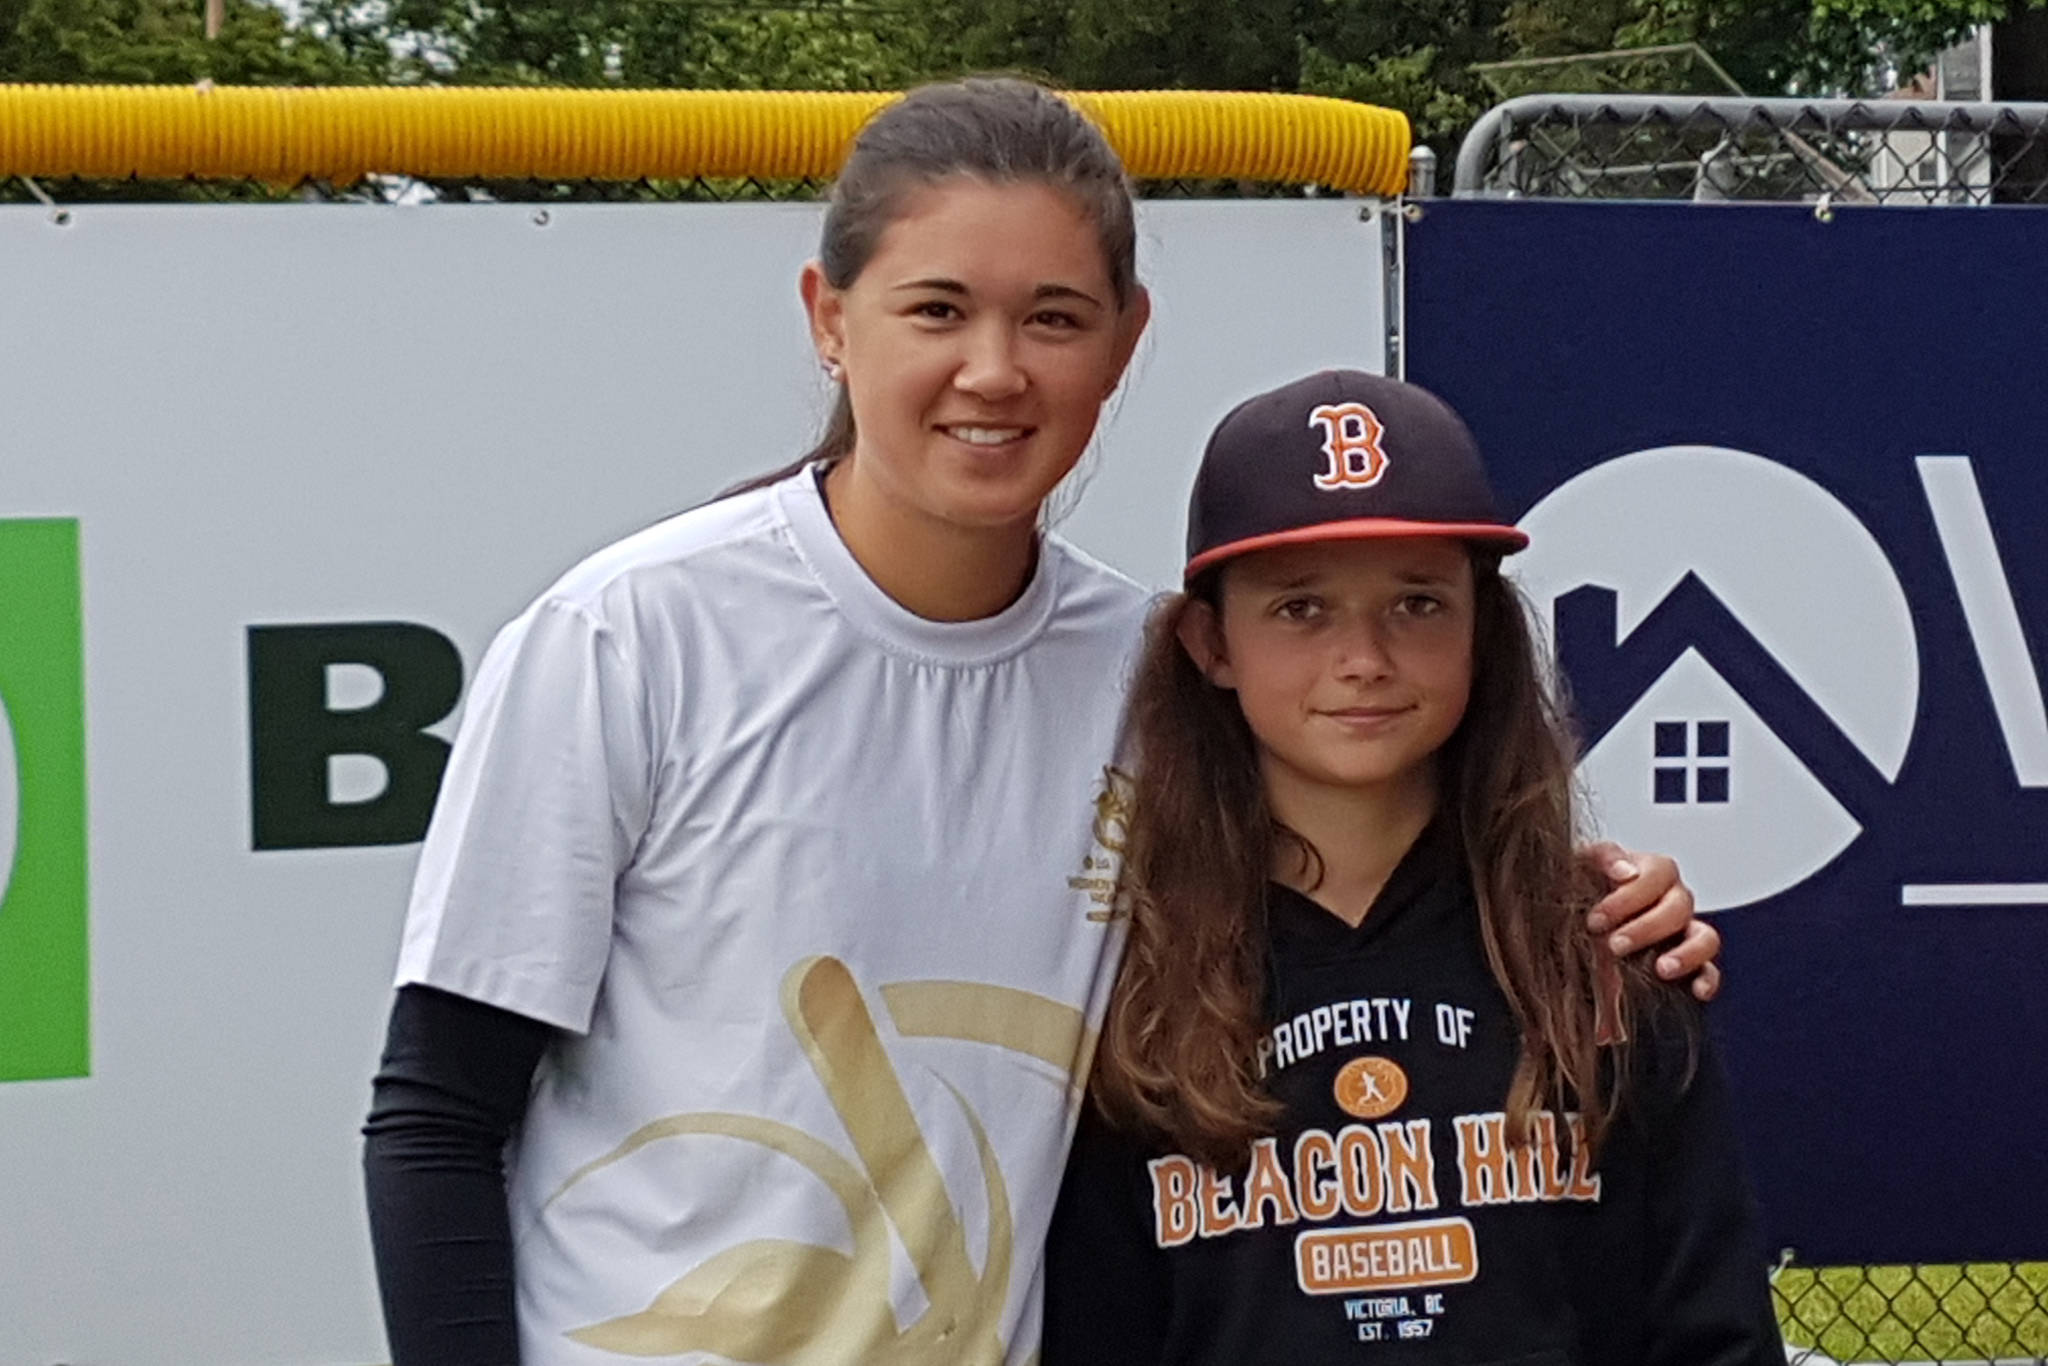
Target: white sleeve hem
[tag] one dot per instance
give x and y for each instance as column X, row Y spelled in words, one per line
column 491, row 984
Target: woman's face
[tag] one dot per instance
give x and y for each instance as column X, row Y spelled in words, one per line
column 977, row 346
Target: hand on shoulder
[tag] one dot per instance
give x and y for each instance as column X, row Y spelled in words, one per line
column 1649, row 906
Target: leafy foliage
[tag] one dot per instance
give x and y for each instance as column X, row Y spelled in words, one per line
column 1418, row 56
column 640, row 44
column 131, row 41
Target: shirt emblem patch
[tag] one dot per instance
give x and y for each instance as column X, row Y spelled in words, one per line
column 1371, row 1087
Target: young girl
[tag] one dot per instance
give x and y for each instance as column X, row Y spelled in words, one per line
column 760, row 905
column 1366, row 1092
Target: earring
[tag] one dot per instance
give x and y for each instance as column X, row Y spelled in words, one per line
column 833, row 371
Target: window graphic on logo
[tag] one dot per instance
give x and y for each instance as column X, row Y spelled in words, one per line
column 43, row 1003
column 1676, row 782
column 1741, row 658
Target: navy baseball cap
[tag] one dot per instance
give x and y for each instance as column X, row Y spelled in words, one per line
column 1341, row 455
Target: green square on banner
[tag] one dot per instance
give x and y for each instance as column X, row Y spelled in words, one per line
column 45, row 1008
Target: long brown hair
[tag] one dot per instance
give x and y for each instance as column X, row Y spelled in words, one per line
column 996, row 129
column 1177, row 1059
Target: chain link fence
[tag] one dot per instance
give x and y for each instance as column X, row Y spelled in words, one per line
column 1894, row 151
column 1995, row 1312
column 1824, row 152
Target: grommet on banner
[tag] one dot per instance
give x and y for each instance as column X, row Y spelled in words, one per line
column 1824, row 207
column 61, row 217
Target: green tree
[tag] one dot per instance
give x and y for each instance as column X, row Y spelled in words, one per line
column 1413, row 56
column 1770, row 47
column 1127, row 44
column 639, row 44
column 127, row 42
column 1418, row 56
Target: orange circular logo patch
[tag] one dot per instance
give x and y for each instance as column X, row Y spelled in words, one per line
column 1371, row 1087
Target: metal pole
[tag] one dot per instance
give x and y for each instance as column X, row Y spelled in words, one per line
column 1421, row 172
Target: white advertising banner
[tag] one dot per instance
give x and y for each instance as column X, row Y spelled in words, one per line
column 270, row 478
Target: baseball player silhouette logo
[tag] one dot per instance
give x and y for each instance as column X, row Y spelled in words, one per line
column 1352, row 434
column 1371, row 1087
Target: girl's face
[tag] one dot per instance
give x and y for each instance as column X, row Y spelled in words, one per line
column 978, row 346
column 1352, row 660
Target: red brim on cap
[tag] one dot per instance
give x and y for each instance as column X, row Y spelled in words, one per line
column 1507, row 538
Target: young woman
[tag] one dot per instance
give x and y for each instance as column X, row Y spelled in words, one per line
column 763, row 906
column 1366, row 1091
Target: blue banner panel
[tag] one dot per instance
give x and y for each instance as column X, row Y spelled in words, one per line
column 1786, row 481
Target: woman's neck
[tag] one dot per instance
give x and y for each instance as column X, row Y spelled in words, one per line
column 1360, row 834
column 938, row 570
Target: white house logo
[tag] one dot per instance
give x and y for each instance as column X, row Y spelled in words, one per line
column 10, row 802
column 1741, row 656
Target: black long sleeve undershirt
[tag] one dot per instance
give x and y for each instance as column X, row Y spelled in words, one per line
column 451, row 1090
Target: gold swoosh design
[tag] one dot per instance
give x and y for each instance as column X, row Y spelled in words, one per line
column 836, row 1172
column 775, row 1302
column 1001, row 1017
column 769, row 1300
column 831, row 1020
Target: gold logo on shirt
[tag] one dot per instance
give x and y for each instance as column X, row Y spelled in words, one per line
column 1099, row 870
column 778, row 1302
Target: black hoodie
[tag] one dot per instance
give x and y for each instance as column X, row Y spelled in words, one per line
column 1387, row 1222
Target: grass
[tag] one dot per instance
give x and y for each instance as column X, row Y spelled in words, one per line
column 1979, row 1311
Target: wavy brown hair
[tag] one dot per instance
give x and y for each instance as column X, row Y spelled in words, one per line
column 1177, row 1058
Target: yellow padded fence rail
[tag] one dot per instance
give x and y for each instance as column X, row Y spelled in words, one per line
column 284, row 135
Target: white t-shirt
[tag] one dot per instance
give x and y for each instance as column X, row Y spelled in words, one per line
column 818, row 890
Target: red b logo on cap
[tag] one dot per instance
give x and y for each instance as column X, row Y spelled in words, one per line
column 1351, row 438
